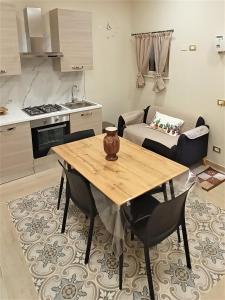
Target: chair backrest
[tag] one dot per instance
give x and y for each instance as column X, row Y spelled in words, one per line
column 80, row 192
column 165, row 219
column 79, row 135
column 139, row 208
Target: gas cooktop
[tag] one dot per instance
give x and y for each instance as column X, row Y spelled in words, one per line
column 42, row 109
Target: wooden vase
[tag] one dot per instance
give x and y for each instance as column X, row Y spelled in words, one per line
column 111, row 143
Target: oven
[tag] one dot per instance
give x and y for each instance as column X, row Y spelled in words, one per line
column 48, row 132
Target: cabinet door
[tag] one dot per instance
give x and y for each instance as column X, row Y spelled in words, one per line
column 71, row 33
column 16, row 155
column 9, row 51
column 89, row 119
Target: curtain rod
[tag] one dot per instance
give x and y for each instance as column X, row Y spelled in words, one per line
column 170, row 30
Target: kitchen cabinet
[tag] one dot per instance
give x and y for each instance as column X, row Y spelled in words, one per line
column 88, row 119
column 9, row 49
column 16, row 155
column 71, row 34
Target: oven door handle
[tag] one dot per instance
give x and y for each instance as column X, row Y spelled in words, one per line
column 51, row 128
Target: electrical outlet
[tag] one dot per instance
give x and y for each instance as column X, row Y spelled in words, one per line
column 220, row 102
column 192, row 47
column 216, row 149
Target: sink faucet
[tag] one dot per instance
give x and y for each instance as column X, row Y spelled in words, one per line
column 74, row 99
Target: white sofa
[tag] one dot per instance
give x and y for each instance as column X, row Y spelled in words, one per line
column 187, row 148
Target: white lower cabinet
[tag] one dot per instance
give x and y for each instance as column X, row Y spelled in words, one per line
column 88, row 119
column 16, row 155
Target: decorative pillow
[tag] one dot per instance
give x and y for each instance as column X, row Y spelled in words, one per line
column 166, row 124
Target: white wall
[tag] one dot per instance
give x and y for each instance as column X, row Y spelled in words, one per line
column 107, row 83
column 197, row 79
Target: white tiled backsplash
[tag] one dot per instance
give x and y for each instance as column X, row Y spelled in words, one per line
column 38, row 84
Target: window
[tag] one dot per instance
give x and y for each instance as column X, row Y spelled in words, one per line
column 152, row 68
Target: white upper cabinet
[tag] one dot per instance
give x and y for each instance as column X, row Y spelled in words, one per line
column 9, row 49
column 71, row 34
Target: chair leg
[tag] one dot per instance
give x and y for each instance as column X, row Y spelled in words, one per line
column 90, row 233
column 121, row 267
column 164, row 192
column 60, row 191
column 178, row 235
column 172, row 197
column 66, row 208
column 186, row 247
column 131, row 235
column 149, row 273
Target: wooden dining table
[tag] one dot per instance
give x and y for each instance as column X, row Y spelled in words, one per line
column 136, row 171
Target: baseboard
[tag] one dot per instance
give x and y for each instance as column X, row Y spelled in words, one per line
column 214, row 165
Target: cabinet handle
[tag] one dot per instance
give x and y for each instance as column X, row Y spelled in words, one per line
column 86, row 114
column 77, row 68
column 8, row 129
column 3, row 71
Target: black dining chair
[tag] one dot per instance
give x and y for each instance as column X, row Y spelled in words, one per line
column 162, row 189
column 161, row 221
column 69, row 138
column 143, row 209
column 79, row 191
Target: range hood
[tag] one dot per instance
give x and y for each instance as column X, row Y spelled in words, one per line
column 34, row 34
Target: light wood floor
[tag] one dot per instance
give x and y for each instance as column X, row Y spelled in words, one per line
column 15, row 278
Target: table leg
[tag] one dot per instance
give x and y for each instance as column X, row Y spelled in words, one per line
column 172, row 197
column 61, row 187
column 66, row 208
column 164, row 192
column 171, row 189
column 121, row 266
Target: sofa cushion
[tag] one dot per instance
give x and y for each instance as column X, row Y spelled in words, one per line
column 189, row 121
column 139, row 132
column 166, row 124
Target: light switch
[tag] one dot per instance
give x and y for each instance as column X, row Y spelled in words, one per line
column 192, row 47
column 221, row 102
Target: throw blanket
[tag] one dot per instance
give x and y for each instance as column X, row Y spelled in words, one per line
column 196, row 132
column 127, row 134
column 133, row 117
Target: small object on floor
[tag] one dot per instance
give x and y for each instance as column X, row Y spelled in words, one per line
column 210, row 178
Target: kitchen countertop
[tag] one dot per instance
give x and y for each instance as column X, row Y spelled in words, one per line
column 16, row 115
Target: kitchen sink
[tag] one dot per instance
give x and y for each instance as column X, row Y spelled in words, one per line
column 78, row 104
